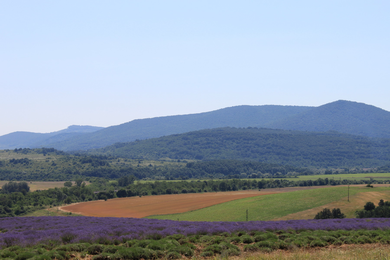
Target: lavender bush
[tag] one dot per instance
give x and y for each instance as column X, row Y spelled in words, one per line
column 27, row 231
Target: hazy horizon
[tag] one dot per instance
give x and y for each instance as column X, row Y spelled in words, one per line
column 104, row 63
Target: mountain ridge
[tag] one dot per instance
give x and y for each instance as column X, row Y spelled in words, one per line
column 341, row 116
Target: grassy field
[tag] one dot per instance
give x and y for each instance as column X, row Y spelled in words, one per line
column 351, row 176
column 43, row 185
column 348, row 176
column 49, row 212
column 283, row 205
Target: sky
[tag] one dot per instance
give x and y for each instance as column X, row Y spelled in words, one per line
column 104, row 63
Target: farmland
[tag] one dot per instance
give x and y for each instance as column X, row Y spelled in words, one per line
column 354, row 176
column 280, row 203
column 139, row 207
column 289, row 205
column 41, row 185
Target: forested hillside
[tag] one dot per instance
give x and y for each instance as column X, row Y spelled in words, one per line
column 341, row 116
column 301, row 149
column 51, row 165
column 240, row 116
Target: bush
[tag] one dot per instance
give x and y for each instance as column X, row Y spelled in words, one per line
column 207, row 253
column 318, row 242
column 95, row 249
column 251, row 248
column 173, row 255
column 247, row 239
column 214, row 248
column 183, row 250
column 327, row 214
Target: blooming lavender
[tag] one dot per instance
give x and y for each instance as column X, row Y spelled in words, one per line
column 34, row 230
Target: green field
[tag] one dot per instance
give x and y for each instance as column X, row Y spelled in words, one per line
column 350, row 176
column 347, row 176
column 270, row 207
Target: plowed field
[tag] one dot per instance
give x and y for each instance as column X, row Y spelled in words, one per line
column 138, row 207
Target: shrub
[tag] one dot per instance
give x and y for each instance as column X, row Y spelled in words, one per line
column 318, row 242
column 142, row 243
column 235, row 240
column 264, row 244
column 110, row 249
column 230, row 252
column 260, row 238
column 217, row 240
column 7, row 254
column 176, row 236
column 183, row 250
column 214, row 248
column 251, row 248
column 241, row 233
column 104, row 256
column 247, row 239
column 173, row 255
column 207, row 253
column 95, row 249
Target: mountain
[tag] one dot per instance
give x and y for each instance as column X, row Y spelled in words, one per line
column 29, row 139
column 239, row 116
column 340, row 116
column 296, row 148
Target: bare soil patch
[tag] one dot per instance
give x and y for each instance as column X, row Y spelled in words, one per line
column 139, row 207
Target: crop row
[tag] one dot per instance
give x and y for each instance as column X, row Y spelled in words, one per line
column 28, row 231
column 179, row 246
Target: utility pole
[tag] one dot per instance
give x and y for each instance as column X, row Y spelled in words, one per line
column 348, row 192
column 246, row 215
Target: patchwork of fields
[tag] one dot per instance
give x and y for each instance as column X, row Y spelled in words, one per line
column 139, row 207
column 267, row 204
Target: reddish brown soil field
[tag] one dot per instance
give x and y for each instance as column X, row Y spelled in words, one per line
column 137, row 207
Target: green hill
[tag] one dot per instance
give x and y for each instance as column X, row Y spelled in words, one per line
column 239, row 116
column 341, row 116
column 296, row 148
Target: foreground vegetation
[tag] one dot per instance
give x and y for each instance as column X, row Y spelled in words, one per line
column 148, row 239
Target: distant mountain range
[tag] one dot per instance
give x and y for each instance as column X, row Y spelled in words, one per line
column 34, row 140
column 340, row 116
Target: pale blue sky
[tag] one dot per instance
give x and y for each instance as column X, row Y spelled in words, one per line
column 104, row 63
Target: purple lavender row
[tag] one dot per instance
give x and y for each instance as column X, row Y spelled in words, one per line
column 34, row 230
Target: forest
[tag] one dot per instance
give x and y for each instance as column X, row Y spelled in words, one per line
column 295, row 148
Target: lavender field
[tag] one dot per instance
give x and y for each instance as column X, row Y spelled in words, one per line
column 29, row 231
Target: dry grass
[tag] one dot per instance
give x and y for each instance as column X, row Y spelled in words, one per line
column 356, row 201
column 349, row 252
column 43, row 185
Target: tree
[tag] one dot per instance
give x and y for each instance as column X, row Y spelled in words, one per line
column 337, row 213
column 121, row 193
column 15, row 187
column 68, row 184
column 324, row 214
column 79, row 182
column 369, row 206
column 327, row 214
